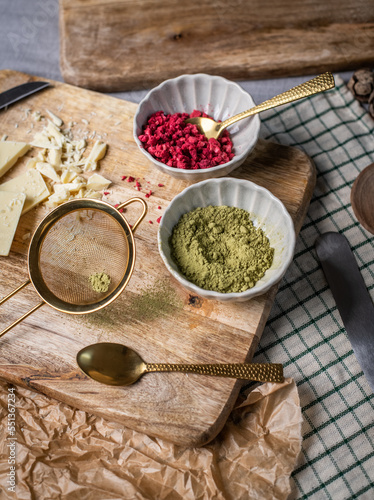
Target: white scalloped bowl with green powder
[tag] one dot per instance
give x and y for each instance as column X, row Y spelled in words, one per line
column 265, row 211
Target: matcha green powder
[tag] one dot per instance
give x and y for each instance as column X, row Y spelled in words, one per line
column 99, row 282
column 218, row 248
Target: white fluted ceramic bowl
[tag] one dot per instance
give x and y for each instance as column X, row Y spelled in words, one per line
column 216, row 96
column 266, row 211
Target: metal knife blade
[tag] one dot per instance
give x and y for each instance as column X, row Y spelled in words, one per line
column 351, row 296
column 16, row 93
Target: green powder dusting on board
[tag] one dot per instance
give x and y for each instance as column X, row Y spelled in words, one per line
column 158, row 298
column 155, row 300
column 219, row 248
column 99, row 282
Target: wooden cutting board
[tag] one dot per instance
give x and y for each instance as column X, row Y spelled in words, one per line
column 40, row 352
column 126, row 45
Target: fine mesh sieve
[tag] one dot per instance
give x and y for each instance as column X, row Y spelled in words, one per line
column 77, row 240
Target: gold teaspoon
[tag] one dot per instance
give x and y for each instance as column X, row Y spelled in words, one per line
column 116, row 364
column 211, row 128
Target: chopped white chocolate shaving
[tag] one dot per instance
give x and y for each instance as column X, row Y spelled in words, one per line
column 54, row 170
column 54, row 157
column 57, row 198
column 41, row 141
column 97, row 182
column 90, row 193
column 41, row 156
column 31, row 163
column 56, row 120
column 37, row 116
column 72, row 187
column 97, row 153
column 47, row 170
column 61, row 161
column 68, row 176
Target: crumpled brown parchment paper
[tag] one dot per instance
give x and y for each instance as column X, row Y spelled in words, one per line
column 64, row 453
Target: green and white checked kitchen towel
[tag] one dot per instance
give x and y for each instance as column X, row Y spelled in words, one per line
column 304, row 330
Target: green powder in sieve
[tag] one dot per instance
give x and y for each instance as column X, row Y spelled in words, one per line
column 99, row 282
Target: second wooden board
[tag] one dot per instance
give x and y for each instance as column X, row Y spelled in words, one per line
column 134, row 45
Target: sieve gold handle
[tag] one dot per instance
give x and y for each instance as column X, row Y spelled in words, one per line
column 4, row 299
column 143, row 214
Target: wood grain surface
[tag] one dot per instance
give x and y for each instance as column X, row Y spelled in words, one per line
column 40, row 352
column 126, row 45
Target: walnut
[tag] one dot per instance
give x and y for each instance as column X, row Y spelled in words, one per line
column 361, row 84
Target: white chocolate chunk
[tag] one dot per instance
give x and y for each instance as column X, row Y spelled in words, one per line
column 48, row 171
column 97, row 153
column 37, row 116
column 54, row 134
column 41, row 156
column 68, row 176
column 81, row 144
column 54, row 157
column 9, row 153
column 58, row 197
column 11, row 205
column 56, row 120
column 31, row 163
column 92, row 194
column 71, row 187
column 97, row 182
column 41, row 141
column 32, row 184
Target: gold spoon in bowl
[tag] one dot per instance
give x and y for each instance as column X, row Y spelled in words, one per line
column 211, row 128
column 116, row 364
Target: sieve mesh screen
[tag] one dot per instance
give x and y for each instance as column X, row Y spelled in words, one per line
column 81, row 243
